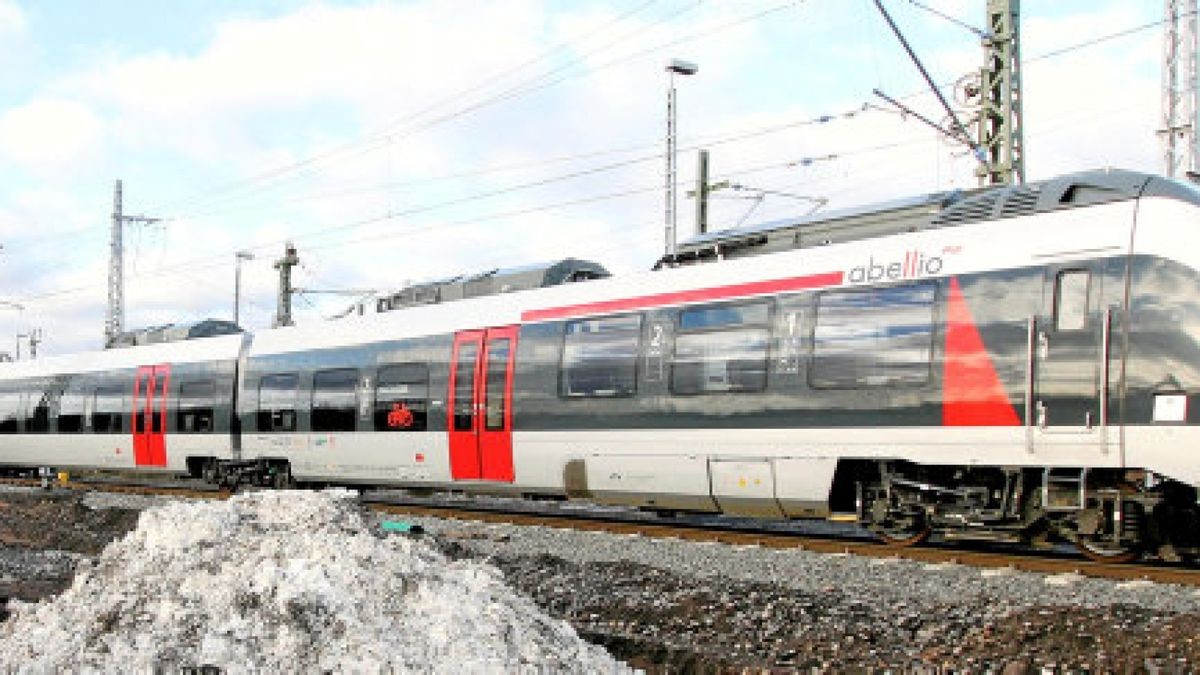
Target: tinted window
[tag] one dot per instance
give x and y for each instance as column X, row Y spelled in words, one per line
column 872, row 338
column 37, row 413
column 71, row 412
column 1071, row 300
column 402, row 398
column 721, row 349
column 334, row 400
column 108, row 411
column 11, row 412
column 723, row 316
column 277, row 403
column 197, row 401
column 600, row 357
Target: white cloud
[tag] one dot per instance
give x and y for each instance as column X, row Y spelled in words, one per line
column 13, row 21
column 49, row 135
column 265, row 93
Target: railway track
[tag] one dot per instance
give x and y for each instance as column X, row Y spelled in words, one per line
column 732, row 532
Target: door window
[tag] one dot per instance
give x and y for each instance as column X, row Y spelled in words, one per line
column 497, row 372
column 464, row 387
column 1071, row 299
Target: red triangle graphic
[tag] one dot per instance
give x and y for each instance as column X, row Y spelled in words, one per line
column 972, row 395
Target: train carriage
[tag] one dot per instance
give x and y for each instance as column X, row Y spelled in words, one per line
column 150, row 408
column 1010, row 364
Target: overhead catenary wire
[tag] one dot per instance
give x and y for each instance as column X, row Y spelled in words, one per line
column 1047, row 55
column 388, row 134
column 1053, row 53
column 219, row 260
column 958, row 22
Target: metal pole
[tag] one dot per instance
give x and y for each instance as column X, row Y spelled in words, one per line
column 237, row 290
column 669, row 228
column 682, row 68
column 702, row 194
column 114, row 324
column 237, row 284
column 1181, row 109
column 283, row 316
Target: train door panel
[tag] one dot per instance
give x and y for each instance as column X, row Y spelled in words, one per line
column 149, row 423
column 1068, row 354
column 479, row 404
column 495, row 434
column 463, row 423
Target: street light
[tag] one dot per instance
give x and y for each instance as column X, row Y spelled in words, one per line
column 237, row 283
column 674, row 67
column 5, row 356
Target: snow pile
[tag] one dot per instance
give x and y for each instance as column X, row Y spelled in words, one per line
column 286, row 582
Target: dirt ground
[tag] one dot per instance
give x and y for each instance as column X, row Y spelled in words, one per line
column 683, row 625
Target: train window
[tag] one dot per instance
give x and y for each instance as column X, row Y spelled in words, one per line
column 108, row 411
column 600, row 357
column 277, row 403
column 721, row 349
column 402, row 397
column 197, row 401
column 1071, row 299
column 335, row 400
column 464, row 387
column 11, row 412
column 71, row 413
column 876, row 337
column 37, row 415
column 494, row 385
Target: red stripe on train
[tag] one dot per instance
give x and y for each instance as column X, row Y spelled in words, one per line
column 681, row 297
column 972, row 394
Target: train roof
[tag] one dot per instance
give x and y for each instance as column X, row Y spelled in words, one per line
column 223, row 347
column 914, row 214
column 931, row 211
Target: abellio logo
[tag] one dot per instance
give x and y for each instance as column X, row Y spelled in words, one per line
column 915, row 265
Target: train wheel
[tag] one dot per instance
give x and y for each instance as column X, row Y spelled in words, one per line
column 898, row 519
column 1105, row 535
column 909, row 536
column 1106, row 551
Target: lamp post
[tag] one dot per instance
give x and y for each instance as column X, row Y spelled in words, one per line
column 20, row 308
column 674, row 67
column 237, row 283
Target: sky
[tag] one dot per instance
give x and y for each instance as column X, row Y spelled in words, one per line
column 395, row 142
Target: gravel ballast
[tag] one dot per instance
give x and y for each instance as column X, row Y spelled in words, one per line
column 674, row 605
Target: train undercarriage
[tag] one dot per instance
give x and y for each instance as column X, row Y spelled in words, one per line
column 1112, row 515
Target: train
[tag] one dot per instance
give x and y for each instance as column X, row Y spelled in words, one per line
column 1008, row 364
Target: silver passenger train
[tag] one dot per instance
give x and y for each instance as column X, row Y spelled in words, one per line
column 1011, row 364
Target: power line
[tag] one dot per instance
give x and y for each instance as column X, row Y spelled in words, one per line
column 386, row 134
column 384, row 138
column 947, row 17
column 197, row 264
column 1054, row 53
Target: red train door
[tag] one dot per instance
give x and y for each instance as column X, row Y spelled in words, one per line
column 149, row 422
column 479, row 405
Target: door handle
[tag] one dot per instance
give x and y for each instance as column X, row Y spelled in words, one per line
column 1041, row 414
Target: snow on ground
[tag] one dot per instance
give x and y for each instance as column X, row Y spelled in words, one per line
column 286, row 582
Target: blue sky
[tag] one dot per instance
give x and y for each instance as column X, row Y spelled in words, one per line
column 400, row 141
